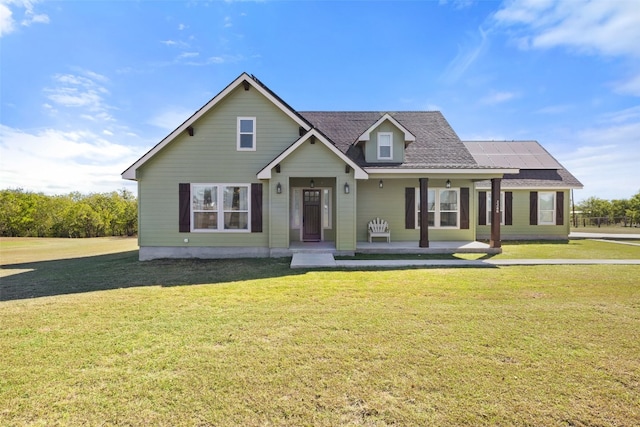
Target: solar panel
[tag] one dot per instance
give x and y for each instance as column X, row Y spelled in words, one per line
column 513, row 154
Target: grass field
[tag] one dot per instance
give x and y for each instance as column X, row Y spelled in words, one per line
column 102, row 339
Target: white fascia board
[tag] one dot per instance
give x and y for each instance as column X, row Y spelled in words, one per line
column 408, row 136
column 130, row 173
column 265, row 173
column 400, row 171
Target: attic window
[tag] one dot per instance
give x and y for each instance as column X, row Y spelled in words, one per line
column 246, row 134
column 385, row 146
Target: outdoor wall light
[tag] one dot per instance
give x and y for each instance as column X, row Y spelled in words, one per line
column 312, row 184
column 448, row 184
column 380, row 184
column 346, row 188
column 279, row 188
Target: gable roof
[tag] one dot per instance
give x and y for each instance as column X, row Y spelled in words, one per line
column 538, row 168
column 265, row 173
column 365, row 136
column 436, row 144
column 244, row 78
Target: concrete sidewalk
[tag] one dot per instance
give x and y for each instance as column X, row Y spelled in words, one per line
column 607, row 236
column 326, row 260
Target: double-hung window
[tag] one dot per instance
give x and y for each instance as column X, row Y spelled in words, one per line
column 385, row 146
column 246, row 134
column 220, row 207
column 546, row 208
column 443, row 205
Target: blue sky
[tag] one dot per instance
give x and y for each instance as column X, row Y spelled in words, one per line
column 87, row 87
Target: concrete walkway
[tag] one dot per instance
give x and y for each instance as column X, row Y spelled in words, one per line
column 326, row 260
column 607, row 236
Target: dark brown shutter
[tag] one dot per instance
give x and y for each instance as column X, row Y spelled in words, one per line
column 464, row 208
column 560, row 208
column 410, row 208
column 508, row 208
column 482, row 208
column 533, row 208
column 184, row 212
column 256, row 208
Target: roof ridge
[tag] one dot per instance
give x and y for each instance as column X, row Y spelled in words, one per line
column 370, row 111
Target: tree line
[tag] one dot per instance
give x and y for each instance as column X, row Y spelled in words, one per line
column 29, row 214
column 597, row 211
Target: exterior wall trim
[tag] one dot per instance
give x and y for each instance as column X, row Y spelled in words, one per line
column 359, row 173
column 366, row 135
column 453, row 171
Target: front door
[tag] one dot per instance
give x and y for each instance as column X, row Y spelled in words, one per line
column 311, row 215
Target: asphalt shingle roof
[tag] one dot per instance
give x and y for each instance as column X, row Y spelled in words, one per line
column 436, row 144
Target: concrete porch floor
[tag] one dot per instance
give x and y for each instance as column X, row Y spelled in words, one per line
column 450, row 247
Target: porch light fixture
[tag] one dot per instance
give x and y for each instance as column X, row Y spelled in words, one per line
column 346, row 188
column 279, row 188
column 448, row 184
column 312, row 184
column 380, row 184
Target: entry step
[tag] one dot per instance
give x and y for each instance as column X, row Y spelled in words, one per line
column 312, row 260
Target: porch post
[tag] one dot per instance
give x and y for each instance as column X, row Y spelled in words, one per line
column 424, row 212
column 494, row 242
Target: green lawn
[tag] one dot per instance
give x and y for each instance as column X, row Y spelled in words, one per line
column 106, row 340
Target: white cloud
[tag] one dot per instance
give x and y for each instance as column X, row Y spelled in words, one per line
column 607, row 157
column 227, row 22
column 630, row 86
column 498, row 98
column 591, row 26
column 554, row 109
column 458, row 4
column 7, row 21
column 170, row 119
column 80, row 91
column 55, row 162
column 188, row 55
column 466, row 56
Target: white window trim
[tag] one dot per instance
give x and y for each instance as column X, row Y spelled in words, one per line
column 489, row 213
column 239, row 133
column 220, row 210
column 390, row 135
column 553, row 212
column 436, row 212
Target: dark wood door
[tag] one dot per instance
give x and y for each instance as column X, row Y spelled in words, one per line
column 311, row 215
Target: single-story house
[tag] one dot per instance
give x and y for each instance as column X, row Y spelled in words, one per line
column 247, row 175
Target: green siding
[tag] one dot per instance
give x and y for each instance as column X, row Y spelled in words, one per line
column 371, row 146
column 521, row 228
column 388, row 203
column 317, row 162
column 211, row 156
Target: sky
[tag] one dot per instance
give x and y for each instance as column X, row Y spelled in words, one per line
column 87, row 87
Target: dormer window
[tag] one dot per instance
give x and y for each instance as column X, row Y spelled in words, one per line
column 246, row 134
column 385, row 146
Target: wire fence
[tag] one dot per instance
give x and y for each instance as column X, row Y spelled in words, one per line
column 580, row 220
